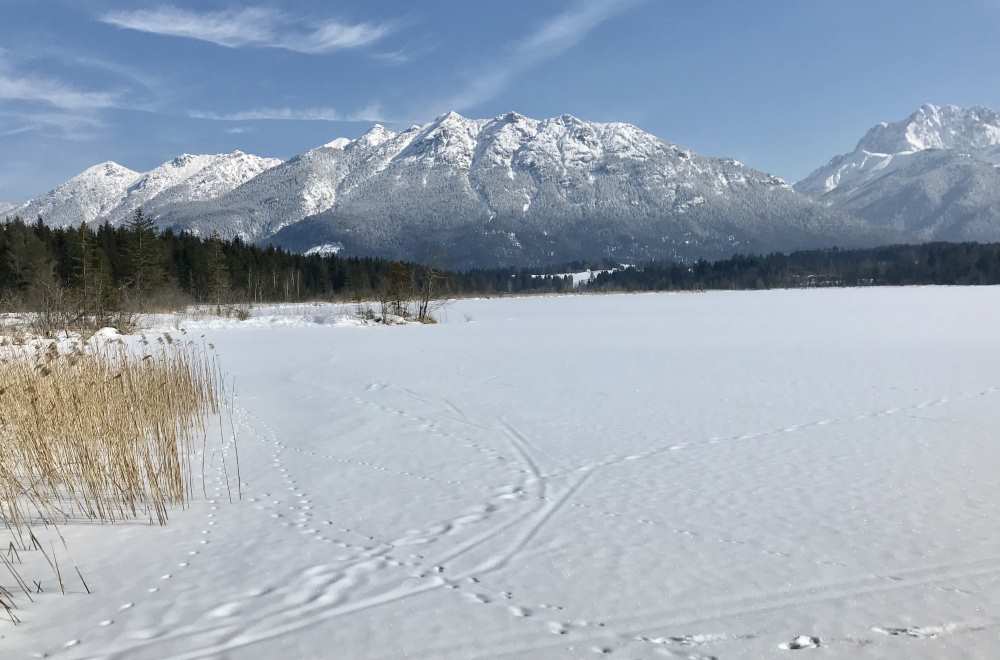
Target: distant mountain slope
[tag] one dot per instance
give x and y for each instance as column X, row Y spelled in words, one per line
column 932, row 176
column 110, row 192
column 87, row 197
column 190, row 178
column 300, row 187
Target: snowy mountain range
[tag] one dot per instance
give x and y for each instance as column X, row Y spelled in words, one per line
column 933, row 176
column 514, row 190
column 468, row 192
column 109, row 192
column 519, row 191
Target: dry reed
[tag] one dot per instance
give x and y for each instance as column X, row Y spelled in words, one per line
column 101, row 434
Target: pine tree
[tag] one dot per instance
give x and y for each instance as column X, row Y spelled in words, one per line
column 144, row 262
column 218, row 271
column 82, row 255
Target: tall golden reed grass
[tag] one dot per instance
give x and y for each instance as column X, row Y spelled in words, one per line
column 102, row 434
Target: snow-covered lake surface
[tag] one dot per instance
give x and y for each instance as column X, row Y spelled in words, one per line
column 719, row 475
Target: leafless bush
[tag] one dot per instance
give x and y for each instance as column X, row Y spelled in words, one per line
column 407, row 294
column 48, row 310
column 240, row 311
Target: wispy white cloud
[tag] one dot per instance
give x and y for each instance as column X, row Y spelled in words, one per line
column 265, row 114
column 551, row 38
column 393, row 56
column 47, row 105
column 14, row 128
column 39, row 89
column 133, row 88
column 138, row 82
column 372, row 112
column 250, row 27
column 70, row 126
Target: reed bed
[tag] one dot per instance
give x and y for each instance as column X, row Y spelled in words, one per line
column 103, row 434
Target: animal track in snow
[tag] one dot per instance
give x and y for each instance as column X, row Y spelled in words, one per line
column 687, row 640
column 658, row 451
column 478, row 598
column 225, row 610
column 919, row 632
column 801, row 642
column 557, row 628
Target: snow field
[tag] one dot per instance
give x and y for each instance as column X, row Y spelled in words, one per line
column 721, row 475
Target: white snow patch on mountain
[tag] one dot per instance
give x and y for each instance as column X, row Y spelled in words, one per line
column 584, row 276
column 338, row 143
column 324, row 250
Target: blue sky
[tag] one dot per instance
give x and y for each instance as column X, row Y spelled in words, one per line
column 780, row 84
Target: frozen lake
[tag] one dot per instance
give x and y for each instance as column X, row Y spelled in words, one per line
column 717, row 475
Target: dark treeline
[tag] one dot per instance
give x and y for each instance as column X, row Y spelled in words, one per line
column 94, row 272
column 930, row 263
column 134, row 266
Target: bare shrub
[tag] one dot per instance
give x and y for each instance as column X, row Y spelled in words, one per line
column 238, row 311
column 406, row 294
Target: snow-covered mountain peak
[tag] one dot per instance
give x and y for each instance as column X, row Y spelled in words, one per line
column 89, row 195
column 935, row 127
column 375, row 136
column 448, row 141
column 931, row 176
column 180, row 161
column 450, row 116
column 111, row 192
column 452, row 122
column 888, row 145
column 571, row 119
column 108, row 169
column 512, row 117
column 222, row 173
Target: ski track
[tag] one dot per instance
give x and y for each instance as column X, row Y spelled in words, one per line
column 320, row 593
